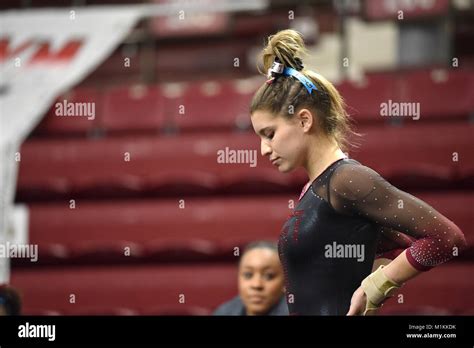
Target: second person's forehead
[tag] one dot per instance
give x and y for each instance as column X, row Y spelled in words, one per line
column 259, row 257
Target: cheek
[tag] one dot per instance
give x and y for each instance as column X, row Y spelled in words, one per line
column 275, row 287
column 243, row 286
column 290, row 143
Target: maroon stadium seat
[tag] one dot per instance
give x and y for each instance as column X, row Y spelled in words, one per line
column 146, row 289
column 363, row 98
column 419, row 155
column 156, row 166
column 159, row 231
column 211, row 105
column 199, row 60
column 442, row 94
column 139, row 288
column 76, row 124
column 133, row 108
column 409, row 156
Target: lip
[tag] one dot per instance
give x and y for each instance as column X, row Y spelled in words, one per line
column 256, row 298
column 275, row 160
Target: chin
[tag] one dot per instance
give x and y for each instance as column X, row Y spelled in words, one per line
column 260, row 310
column 285, row 169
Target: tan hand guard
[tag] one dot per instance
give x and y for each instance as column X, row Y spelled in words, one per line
column 377, row 288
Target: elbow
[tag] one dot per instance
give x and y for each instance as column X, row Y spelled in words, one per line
column 458, row 240
column 427, row 253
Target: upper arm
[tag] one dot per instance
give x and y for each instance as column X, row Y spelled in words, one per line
column 358, row 190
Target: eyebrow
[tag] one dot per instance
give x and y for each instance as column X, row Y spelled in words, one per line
column 263, row 269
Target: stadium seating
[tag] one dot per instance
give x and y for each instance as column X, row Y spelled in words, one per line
column 76, row 123
column 212, row 105
column 161, row 166
column 131, row 232
column 198, row 289
column 409, row 157
column 222, row 104
column 161, row 230
column 108, row 290
column 133, row 108
column 443, row 94
column 412, row 156
column 363, row 98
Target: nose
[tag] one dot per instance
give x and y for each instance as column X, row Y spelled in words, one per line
column 265, row 149
column 256, row 282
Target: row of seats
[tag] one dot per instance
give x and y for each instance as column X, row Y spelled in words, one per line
column 199, row 229
column 186, row 106
column 417, row 155
column 149, row 289
column 199, row 289
column 441, row 94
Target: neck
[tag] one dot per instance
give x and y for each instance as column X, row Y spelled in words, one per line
column 321, row 155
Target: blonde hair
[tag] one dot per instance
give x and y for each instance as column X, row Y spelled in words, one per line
column 286, row 95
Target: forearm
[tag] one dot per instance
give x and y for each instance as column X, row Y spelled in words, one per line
column 400, row 270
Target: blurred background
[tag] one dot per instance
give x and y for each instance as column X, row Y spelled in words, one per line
column 133, row 213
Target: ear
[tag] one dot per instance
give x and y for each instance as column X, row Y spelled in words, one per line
column 305, row 120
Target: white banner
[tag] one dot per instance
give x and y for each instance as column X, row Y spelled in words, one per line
column 43, row 53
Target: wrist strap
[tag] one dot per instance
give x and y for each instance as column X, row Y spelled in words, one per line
column 377, row 288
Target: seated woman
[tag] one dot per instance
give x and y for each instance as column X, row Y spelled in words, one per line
column 261, row 283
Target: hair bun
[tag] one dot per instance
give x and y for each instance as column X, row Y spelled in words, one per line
column 286, row 45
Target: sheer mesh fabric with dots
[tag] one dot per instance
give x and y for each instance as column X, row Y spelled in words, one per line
column 344, row 219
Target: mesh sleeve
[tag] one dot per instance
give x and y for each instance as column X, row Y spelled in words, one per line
column 391, row 243
column 355, row 189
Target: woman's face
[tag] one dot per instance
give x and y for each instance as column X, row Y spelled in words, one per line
column 260, row 280
column 282, row 139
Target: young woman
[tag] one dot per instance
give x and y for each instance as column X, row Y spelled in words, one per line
column 327, row 247
column 261, row 282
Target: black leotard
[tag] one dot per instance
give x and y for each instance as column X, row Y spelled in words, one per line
column 347, row 209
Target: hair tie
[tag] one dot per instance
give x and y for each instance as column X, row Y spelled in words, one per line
column 278, row 69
